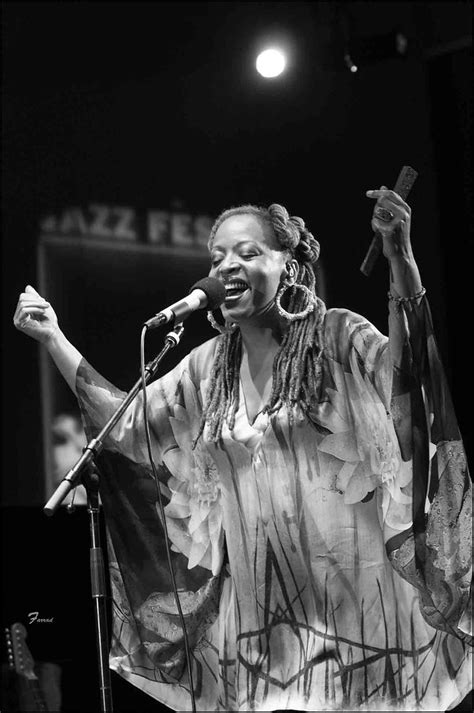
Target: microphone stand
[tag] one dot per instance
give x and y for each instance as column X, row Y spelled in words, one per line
column 85, row 471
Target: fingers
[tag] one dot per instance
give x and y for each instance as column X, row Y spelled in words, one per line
column 35, row 310
column 25, row 315
column 26, row 303
column 390, row 211
column 386, row 197
column 31, row 298
column 30, row 305
column 32, row 295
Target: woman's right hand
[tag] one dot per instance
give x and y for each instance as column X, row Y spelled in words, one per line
column 35, row 317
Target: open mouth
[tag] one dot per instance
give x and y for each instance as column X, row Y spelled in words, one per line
column 234, row 290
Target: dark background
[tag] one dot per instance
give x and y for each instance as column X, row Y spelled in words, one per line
column 157, row 104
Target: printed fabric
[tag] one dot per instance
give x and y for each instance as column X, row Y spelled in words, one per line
column 322, row 561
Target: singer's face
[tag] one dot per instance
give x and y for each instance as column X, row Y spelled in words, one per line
column 247, row 258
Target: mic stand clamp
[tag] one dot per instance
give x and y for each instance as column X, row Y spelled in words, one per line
column 85, row 471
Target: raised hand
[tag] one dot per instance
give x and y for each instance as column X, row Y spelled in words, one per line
column 34, row 316
column 392, row 219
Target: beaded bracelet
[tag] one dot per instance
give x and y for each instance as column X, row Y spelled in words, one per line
column 407, row 300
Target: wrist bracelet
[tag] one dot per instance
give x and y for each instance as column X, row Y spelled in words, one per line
column 407, row 300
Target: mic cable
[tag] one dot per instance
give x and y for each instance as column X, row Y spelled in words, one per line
column 162, row 512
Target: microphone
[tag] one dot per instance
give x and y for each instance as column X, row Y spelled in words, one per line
column 208, row 292
column 403, row 186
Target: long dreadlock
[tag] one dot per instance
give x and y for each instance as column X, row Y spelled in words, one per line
column 297, row 364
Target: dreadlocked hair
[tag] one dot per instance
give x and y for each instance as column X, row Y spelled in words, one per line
column 297, row 364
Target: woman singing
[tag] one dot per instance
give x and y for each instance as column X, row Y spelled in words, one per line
column 317, row 494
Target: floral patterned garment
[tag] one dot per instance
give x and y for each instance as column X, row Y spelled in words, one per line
column 323, row 563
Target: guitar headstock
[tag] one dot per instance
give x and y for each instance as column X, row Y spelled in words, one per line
column 19, row 655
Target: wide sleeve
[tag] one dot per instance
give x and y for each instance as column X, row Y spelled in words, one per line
column 429, row 536
column 389, row 416
column 99, row 399
column 147, row 639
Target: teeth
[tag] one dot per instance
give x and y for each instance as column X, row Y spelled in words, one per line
column 236, row 286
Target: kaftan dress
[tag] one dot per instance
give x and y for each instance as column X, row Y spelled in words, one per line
column 322, row 563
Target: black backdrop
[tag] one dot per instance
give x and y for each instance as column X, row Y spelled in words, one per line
column 141, row 104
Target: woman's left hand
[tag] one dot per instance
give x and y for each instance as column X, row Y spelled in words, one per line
column 392, row 218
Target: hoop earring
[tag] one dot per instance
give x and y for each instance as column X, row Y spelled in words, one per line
column 296, row 315
column 222, row 328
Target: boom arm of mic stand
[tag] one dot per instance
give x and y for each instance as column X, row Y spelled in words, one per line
column 96, row 444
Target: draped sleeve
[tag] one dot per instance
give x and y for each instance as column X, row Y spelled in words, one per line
column 429, row 539
column 147, row 639
column 388, row 413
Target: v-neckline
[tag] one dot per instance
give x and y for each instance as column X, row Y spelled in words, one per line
column 244, row 401
column 266, row 390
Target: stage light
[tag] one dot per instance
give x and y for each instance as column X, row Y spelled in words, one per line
column 350, row 64
column 270, row 63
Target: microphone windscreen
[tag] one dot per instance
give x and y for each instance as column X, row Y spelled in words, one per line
column 214, row 290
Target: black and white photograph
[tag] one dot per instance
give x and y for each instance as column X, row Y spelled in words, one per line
column 237, row 361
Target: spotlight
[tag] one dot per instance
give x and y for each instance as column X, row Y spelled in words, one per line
column 270, row 63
